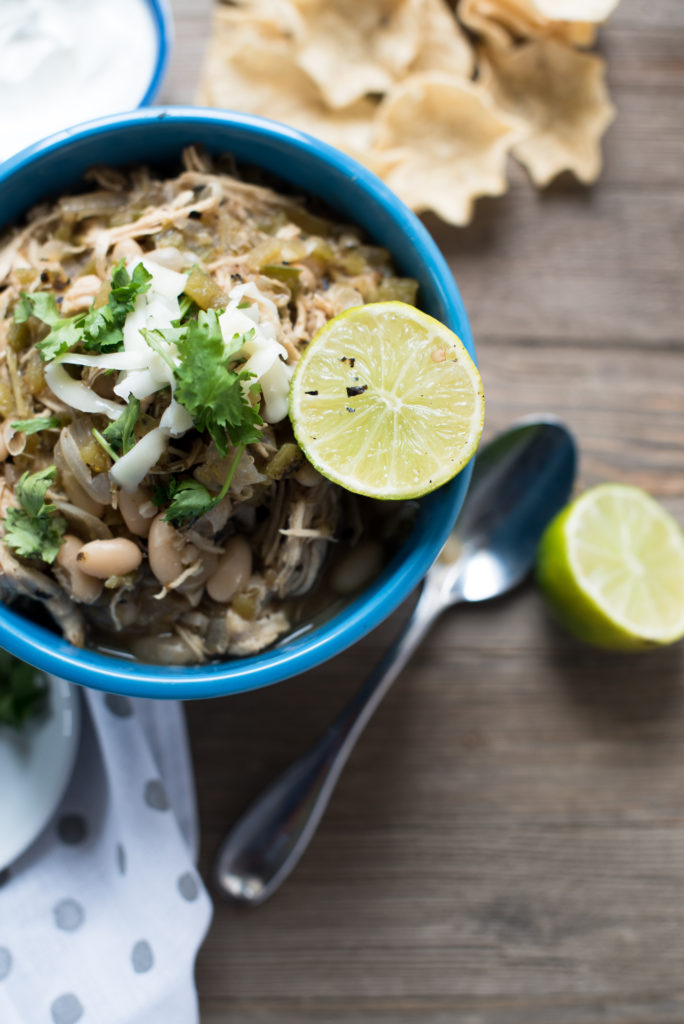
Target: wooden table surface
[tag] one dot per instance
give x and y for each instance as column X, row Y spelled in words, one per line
column 506, row 845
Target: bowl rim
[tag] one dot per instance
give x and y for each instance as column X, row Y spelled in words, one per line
column 164, row 26
column 309, row 648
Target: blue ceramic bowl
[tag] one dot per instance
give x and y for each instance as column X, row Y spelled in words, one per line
column 163, row 23
column 157, row 136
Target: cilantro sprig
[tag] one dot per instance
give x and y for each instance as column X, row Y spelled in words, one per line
column 97, row 330
column 118, row 438
column 32, row 530
column 33, row 426
column 215, row 398
column 210, row 391
column 22, row 691
column 189, row 499
column 120, row 434
column 186, row 499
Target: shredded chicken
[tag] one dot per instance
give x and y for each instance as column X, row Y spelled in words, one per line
column 306, row 269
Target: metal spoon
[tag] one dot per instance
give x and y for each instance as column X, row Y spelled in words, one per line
column 520, row 480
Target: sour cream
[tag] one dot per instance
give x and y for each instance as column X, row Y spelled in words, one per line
column 66, row 61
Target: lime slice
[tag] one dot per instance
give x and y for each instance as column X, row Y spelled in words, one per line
column 612, row 567
column 386, row 401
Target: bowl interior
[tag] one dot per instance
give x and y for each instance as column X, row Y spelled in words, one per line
column 157, row 136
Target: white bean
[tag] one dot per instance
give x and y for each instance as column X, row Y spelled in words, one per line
column 357, row 568
column 133, row 506
column 105, row 558
column 233, row 570
column 79, row 585
column 165, row 551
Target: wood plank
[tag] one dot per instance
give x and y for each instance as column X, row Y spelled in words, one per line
column 641, row 15
column 436, row 1011
column 573, row 265
column 626, row 408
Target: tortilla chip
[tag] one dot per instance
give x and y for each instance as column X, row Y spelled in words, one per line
column 441, row 42
column 503, row 22
column 251, row 66
column 561, row 96
column 351, row 48
column 441, row 143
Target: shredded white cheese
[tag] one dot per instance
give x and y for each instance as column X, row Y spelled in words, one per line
column 76, row 394
column 176, row 419
column 134, row 466
column 264, row 356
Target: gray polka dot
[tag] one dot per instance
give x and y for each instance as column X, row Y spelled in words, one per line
column 142, row 957
column 4, row 877
column 121, row 858
column 5, row 962
column 68, row 915
column 155, row 795
column 119, row 706
column 66, row 1009
column 72, row 829
column 187, row 887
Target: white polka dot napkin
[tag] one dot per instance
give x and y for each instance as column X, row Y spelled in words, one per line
column 101, row 920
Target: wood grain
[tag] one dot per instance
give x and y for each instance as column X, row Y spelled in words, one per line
column 506, row 845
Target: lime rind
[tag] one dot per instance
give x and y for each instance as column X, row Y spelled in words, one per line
column 415, row 425
column 621, row 587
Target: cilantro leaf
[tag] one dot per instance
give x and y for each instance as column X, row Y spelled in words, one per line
column 211, row 392
column 61, row 338
column 31, row 491
column 32, row 531
column 42, row 305
column 120, row 434
column 159, row 337
column 32, row 536
column 164, row 491
column 187, row 307
column 127, row 287
column 22, row 691
column 98, row 330
column 103, row 328
column 190, row 500
column 186, row 500
column 36, row 424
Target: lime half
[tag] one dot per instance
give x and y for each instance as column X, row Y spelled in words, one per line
column 612, row 567
column 386, row 401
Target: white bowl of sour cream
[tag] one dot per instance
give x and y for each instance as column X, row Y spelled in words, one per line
column 67, row 61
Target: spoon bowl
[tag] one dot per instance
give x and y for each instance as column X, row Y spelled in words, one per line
column 520, row 481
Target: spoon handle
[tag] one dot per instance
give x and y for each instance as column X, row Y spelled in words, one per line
column 266, row 843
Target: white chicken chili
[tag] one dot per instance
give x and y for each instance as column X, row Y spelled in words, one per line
column 152, row 496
